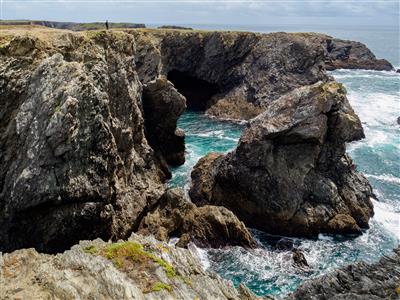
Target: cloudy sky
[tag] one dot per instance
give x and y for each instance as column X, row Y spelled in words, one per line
column 257, row 12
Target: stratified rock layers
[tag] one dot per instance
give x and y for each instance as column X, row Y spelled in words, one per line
column 289, row 174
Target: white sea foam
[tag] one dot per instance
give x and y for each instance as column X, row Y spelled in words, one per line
column 385, row 177
column 387, row 217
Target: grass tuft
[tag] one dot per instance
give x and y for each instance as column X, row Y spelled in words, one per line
column 158, row 286
column 119, row 252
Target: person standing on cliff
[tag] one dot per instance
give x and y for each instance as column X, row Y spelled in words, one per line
column 107, row 24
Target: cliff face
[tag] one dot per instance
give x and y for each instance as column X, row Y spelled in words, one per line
column 230, row 74
column 75, row 162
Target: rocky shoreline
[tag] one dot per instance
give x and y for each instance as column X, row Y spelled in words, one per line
column 88, row 131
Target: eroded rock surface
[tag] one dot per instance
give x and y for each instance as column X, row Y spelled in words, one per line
column 358, row 281
column 140, row 268
column 75, row 162
column 290, row 174
column 162, row 106
column 176, row 216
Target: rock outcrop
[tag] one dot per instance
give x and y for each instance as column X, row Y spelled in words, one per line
column 230, row 74
column 343, row 54
column 176, row 216
column 140, row 268
column 162, row 106
column 290, row 174
column 359, row 281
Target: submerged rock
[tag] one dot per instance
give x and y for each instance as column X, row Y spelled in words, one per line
column 290, row 174
column 379, row 280
column 140, row 268
column 298, row 258
column 176, row 216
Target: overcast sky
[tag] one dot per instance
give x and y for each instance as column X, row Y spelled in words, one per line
column 259, row 12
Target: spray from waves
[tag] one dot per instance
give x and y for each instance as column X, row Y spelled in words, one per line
column 387, row 217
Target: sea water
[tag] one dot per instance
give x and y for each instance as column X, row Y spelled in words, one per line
column 375, row 96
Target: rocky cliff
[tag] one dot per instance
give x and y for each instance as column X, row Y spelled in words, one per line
column 290, row 174
column 88, row 120
column 139, row 268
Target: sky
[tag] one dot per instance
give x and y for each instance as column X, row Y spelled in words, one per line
column 250, row 12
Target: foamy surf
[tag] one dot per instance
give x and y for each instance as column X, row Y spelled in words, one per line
column 375, row 97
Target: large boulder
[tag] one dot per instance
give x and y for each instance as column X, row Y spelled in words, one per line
column 375, row 281
column 290, row 174
column 176, row 216
column 162, row 106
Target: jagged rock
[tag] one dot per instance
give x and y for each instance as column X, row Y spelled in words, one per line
column 140, row 268
column 290, row 174
column 75, row 162
column 162, row 106
column 208, row 225
column 379, row 280
column 343, row 54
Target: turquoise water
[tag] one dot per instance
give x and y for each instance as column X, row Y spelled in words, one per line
column 203, row 135
column 375, row 97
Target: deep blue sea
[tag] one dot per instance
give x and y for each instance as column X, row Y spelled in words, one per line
column 375, row 96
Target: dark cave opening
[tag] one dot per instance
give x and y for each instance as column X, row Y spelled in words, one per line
column 197, row 91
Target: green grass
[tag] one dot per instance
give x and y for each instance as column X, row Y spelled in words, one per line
column 119, row 252
column 158, row 286
column 90, row 249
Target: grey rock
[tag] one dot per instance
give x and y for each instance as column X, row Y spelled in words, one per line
column 344, row 54
column 289, row 174
column 162, row 106
column 75, row 162
column 379, row 280
column 92, row 270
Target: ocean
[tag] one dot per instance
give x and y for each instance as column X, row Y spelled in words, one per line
column 375, row 96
